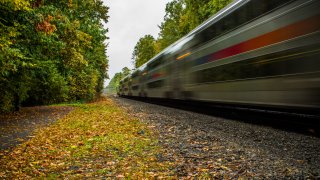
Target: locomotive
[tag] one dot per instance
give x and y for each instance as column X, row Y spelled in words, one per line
column 252, row 52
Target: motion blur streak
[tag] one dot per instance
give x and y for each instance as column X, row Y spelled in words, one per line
column 262, row 53
column 307, row 26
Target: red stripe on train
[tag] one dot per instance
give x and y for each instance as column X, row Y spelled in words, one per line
column 306, row 26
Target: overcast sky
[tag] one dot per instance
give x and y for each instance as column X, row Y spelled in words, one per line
column 129, row 21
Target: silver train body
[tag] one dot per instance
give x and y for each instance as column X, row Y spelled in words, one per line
column 252, row 52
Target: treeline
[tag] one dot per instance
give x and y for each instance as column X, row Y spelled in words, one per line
column 51, row 51
column 181, row 17
column 114, row 83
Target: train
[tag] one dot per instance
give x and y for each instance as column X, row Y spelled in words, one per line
column 263, row 53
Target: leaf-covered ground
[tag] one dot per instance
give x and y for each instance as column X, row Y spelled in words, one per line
column 96, row 140
column 18, row 127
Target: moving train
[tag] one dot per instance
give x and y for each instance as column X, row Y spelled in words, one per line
column 253, row 52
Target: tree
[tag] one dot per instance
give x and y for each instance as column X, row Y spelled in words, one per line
column 211, row 8
column 144, row 50
column 14, row 65
column 192, row 17
column 51, row 51
column 114, row 83
column 169, row 29
column 125, row 71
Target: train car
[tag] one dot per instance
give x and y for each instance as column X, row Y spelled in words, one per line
column 252, row 52
column 124, row 86
column 120, row 90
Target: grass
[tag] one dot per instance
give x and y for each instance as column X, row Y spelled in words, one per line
column 95, row 140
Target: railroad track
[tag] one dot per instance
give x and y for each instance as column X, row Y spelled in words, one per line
column 265, row 144
column 301, row 121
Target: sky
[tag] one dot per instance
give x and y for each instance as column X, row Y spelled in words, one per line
column 129, row 20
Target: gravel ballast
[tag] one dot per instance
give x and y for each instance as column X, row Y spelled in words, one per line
column 206, row 146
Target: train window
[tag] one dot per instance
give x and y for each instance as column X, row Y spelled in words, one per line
column 240, row 16
column 272, row 4
column 136, row 87
column 219, row 28
column 210, row 32
column 155, row 63
column 129, row 84
column 222, row 26
column 230, row 22
column 259, row 7
column 191, row 44
column 269, row 65
column 155, row 84
column 143, row 77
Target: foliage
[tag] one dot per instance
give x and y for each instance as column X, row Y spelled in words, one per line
column 96, row 140
column 144, row 50
column 51, row 51
column 14, row 65
column 16, row 4
column 125, row 71
column 114, row 83
column 169, row 29
column 212, row 7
